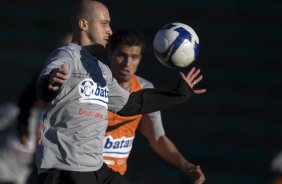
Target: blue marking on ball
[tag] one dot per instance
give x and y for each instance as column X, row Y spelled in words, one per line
column 183, row 34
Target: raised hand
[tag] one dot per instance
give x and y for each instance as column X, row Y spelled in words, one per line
column 193, row 78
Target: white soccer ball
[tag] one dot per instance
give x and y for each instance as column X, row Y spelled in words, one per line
column 176, row 45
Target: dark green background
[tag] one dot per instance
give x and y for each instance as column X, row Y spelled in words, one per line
column 233, row 131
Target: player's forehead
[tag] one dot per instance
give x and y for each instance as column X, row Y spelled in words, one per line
column 129, row 48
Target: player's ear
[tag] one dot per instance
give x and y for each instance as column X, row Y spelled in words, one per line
column 83, row 24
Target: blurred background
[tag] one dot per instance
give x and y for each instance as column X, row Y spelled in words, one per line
column 233, row 131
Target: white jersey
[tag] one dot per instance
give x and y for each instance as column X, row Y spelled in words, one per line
column 75, row 121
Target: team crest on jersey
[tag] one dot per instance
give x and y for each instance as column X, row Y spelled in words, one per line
column 91, row 92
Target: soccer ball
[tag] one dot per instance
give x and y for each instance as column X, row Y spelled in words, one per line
column 176, row 45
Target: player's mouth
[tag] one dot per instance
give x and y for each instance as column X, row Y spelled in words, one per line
column 124, row 72
column 106, row 39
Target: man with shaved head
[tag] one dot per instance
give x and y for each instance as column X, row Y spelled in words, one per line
column 80, row 90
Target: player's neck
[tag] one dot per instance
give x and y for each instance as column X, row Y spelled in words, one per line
column 125, row 85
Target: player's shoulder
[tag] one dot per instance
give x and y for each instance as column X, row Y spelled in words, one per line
column 144, row 82
column 64, row 51
column 72, row 49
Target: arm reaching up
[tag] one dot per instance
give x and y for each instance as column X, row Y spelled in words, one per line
column 151, row 100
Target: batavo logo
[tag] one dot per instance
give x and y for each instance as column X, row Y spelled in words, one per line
column 90, row 113
column 90, row 92
column 119, row 148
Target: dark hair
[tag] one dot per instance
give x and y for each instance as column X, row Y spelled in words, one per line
column 128, row 37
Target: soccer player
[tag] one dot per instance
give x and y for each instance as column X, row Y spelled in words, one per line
column 80, row 90
column 126, row 48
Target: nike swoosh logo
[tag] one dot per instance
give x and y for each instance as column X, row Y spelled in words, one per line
column 114, row 127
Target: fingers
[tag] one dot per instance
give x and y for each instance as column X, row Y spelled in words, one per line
column 53, row 88
column 64, row 69
column 199, row 177
column 182, row 76
column 190, row 73
column 195, row 172
column 197, row 79
column 193, row 75
column 199, row 181
column 193, row 78
column 199, row 91
column 58, row 77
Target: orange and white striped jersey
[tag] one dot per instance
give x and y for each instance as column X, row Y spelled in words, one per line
column 121, row 130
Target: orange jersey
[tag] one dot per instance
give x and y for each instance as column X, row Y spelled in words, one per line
column 120, row 135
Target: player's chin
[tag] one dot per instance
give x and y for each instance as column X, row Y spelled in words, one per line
column 101, row 44
column 98, row 47
column 124, row 74
column 124, row 77
column 105, row 43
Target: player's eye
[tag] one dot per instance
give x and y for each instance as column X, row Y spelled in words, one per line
column 136, row 57
column 120, row 56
